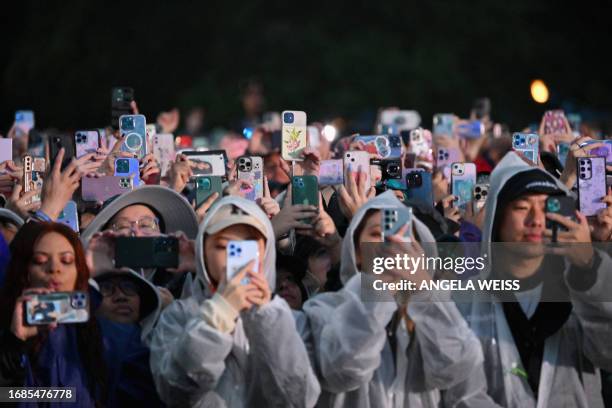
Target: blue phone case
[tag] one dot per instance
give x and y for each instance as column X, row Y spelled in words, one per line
column 418, row 187
column 69, row 216
column 128, row 167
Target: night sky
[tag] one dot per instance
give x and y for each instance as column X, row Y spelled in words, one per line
column 347, row 58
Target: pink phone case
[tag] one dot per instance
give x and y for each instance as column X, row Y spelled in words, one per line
column 6, row 150
column 86, row 141
column 103, row 188
column 553, row 122
column 250, row 168
column 358, row 161
column 591, row 184
column 445, row 157
column 163, row 149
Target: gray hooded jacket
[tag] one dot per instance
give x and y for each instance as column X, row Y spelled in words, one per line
column 568, row 375
column 262, row 362
column 348, row 341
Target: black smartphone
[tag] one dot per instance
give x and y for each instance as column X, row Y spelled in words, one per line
column 147, row 252
column 391, row 168
column 56, row 143
column 562, row 205
column 121, row 99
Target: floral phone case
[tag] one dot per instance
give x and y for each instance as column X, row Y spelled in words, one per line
column 294, row 135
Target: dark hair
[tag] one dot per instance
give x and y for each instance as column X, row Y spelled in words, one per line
column 89, row 338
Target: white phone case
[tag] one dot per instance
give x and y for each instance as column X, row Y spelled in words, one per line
column 239, row 254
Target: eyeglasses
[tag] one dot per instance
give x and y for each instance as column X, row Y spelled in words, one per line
column 127, row 287
column 146, row 225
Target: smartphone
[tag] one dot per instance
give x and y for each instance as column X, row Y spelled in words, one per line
column 294, row 135
column 37, row 143
column 238, row 255
column 386, row 146
column 575, row 120
column 554, row 121
column 331, row 172
column 206, row 186
column 133, row 128
column 528, row 144
column 208, row 163
column 121, row 99
column 314, row 137
column 58, row 142
column 100, row 189
column 400, row 119
column 391, row 169
column 562, row 205
column 70, row 216
column 34, row 169
column 463, row 179
column 447, row 156
column 562, row 152
column 603, row 151
column 481, row 191
column 420, row 142
column 419, row 186
column 470, row 129
column 250, row 168
column 57, row 307
column 358, row 161
column 305, row 190
column 86, row 141
column 163, row 149
column 128, row 167
column 24, row 122
column 393, row 219
column 6, row 150
column 151, row 130
column 591, row 184
column 443, row 124
column 147, row 252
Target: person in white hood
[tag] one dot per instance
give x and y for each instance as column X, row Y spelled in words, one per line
column 386, row 354
column 229, row 344
column 539, row 353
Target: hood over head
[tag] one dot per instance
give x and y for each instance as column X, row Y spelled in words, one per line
column 385, row 200
column 228, row 211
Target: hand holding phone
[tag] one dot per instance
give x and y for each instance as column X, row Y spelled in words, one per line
column 57, row 307
column 147, row 252
column 238, row 255
column 393, row 219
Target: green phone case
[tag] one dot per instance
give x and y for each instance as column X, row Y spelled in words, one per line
column 305, row 190
column 206, row 186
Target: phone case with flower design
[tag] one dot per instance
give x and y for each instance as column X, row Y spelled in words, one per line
column 294, row 135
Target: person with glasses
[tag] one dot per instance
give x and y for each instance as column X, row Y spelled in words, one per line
column 149, row 211
column 129, row 307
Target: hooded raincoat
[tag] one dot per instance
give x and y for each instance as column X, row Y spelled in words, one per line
column 262, row 362
column 352, row 352
column 569, row 376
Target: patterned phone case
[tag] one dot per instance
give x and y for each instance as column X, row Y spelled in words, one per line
column 591, row 184
column 86, row 141
column 386, row 146
column 294, row 135
column 463, row 179
column 250, row 168
column 331, row 173
column 163, row 149
column 128, row 167
column 528, row 144
column 553, row 122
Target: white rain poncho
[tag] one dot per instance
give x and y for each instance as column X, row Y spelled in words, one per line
column 353, row 357
column 262, row 362
column 569, row 377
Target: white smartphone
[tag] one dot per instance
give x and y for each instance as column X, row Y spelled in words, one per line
column 294, row 135
column 238, row 255
column 357, row 161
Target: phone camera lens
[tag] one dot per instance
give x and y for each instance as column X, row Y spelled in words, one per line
column 288, row 117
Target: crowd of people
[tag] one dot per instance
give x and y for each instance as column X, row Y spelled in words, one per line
column 291, row 328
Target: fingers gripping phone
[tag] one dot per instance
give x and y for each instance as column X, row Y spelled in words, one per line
column 463, row 179
column 133, row 129
column 528, row 144
column 206, row 186
column 57, row 307
column 294, row 135
column 562, row 205
column 591, row 184
column 356, row 161
column 238, row 255
column 250, row 168
column 147, row 252
column 393, row 219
